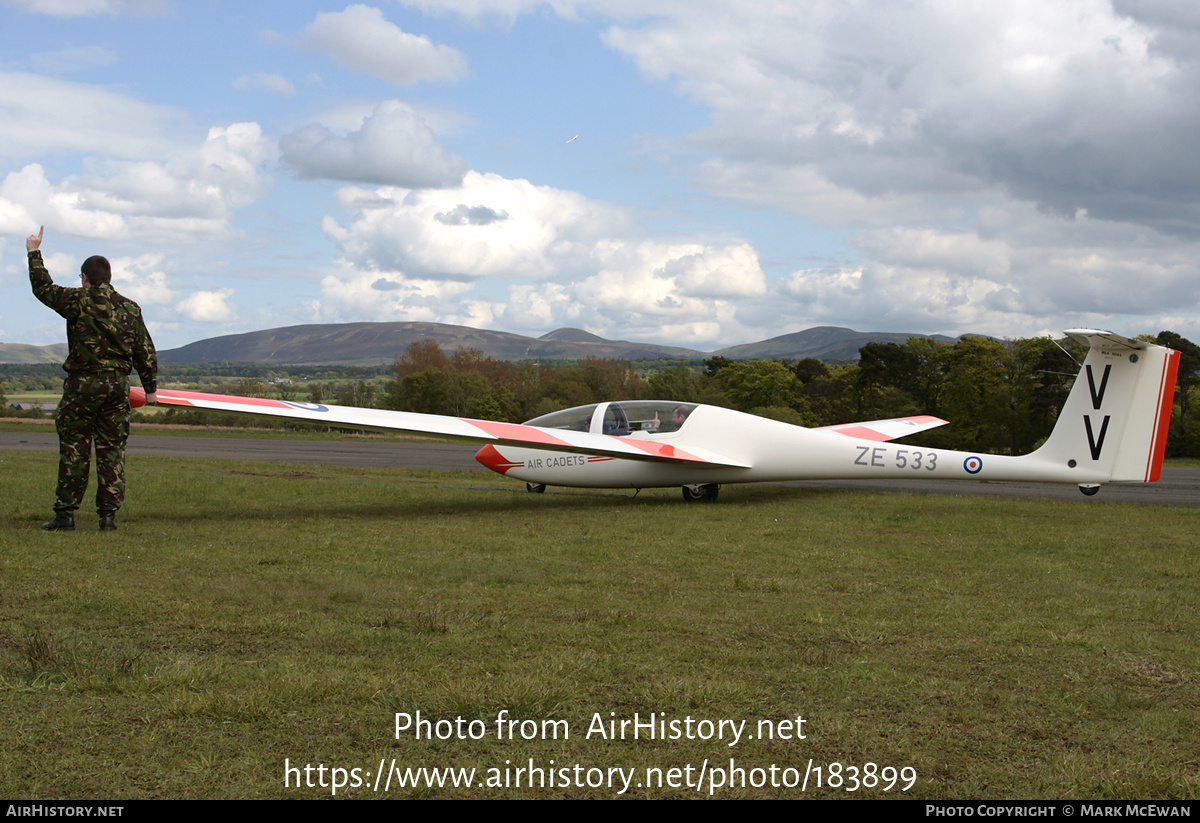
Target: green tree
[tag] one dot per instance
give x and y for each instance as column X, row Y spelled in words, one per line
column 679, row 382
column 809, row 369
column 930, row 361
column 714, row 364
column 884, row 370
column 358, row 392
column 977, row 397
column 419, row 356
column 761, row 383
column 833, row 398
column 439, row 391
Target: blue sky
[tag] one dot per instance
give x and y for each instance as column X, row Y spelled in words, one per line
column 741, row 170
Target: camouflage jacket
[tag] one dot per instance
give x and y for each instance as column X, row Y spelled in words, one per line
column 105, row 331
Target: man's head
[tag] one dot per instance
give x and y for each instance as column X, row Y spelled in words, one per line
column 97, row 270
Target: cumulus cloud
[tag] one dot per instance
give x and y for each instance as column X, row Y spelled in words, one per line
column 1026, row 273
column 27, row 198
column 420, row 255
column 191, row 195
column 207, row 306
column 201, row 185
column 394, row 146
column 360, row 38
column 142, row 279
column 352, row 294
column 398, row 229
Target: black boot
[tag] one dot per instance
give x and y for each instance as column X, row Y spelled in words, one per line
column 62, row 522
column 108, row 521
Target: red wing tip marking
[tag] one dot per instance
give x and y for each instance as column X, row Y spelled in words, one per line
column 514, row 432
column 174, row 398
column 863, row 433
column 137, row 397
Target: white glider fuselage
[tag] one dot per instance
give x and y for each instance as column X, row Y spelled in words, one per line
column 765, row 450
column 775, row 451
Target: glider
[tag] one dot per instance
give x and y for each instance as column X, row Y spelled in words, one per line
column 1112, row 429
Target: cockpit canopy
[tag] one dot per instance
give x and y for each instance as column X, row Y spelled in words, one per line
column 619, row 418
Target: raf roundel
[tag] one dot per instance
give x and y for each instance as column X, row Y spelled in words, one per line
column 973, row 464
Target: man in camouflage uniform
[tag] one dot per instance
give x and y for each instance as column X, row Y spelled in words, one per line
column 107, row 339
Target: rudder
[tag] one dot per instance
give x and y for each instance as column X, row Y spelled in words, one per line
column 1113, row 427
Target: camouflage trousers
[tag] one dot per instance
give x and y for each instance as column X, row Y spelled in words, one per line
column 94, row 408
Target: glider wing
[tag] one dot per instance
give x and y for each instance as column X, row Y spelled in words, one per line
column 460, row 428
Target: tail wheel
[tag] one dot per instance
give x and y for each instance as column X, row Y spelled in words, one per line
column 535, row 488
column 1089, row 488
column 701, row 493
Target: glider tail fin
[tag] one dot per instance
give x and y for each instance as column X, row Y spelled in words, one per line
column 1113, row 427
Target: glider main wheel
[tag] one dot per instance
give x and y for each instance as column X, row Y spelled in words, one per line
column 1089, row 488
column 701, row 493
column 535, row 488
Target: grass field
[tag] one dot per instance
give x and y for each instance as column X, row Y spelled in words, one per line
column 251, row 613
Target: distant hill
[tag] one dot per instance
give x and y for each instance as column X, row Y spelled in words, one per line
column 821, row 342
column 372, row 343
column 24, row 353
column 360, row 344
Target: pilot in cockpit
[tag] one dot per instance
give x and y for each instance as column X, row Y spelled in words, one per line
column 678, row 417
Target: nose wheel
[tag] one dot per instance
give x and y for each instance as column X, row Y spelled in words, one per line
column 1089, row 488
column 701, row 493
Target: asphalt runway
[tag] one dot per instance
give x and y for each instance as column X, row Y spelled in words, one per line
column 1178, row 487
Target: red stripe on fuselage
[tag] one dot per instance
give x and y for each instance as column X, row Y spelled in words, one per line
column 490, row 457
column 661, row 449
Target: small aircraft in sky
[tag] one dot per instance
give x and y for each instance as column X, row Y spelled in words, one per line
column 1112, row 429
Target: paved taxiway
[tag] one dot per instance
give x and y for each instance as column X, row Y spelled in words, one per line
column 1179, row 486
